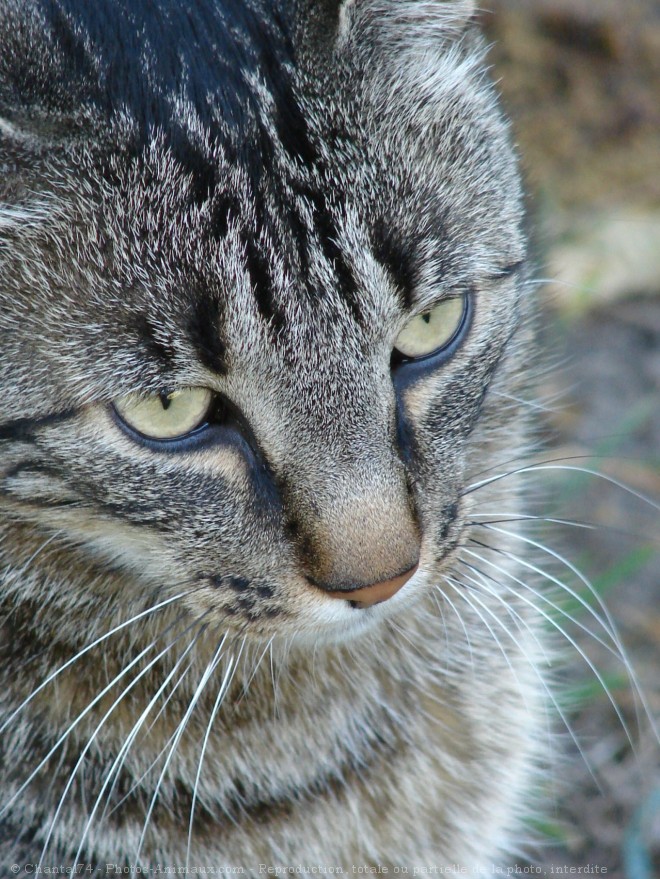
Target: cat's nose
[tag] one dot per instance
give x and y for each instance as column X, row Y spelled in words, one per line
column 367, row 596
column 354, row 528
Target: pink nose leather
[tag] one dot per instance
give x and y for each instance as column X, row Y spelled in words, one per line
column 367, row 596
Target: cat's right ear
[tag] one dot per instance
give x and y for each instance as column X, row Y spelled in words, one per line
column 16, row 135
column 403, row 24
column 21, row 144
column 408, row 55
column 19, row 149
column 406, row 23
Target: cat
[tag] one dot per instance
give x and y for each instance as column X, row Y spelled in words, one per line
column 267, row 327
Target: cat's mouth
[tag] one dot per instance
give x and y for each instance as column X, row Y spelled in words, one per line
column 377, row 593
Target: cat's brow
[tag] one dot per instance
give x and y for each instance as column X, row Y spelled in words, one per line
column 204, row 332
column 397, row 257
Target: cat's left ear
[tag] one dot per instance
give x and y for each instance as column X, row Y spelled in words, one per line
column 406, row 23
column 15, row 135
column 409, row 55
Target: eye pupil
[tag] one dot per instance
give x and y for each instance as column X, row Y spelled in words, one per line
column 432, row 331
column 167, row 414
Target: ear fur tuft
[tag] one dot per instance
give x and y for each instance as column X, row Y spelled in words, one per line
column 416, row 54
column 405, row 21
column 7, row 130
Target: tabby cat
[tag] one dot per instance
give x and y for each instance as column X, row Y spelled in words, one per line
column 265, row 338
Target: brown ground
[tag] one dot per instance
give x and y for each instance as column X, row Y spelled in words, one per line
column 581, row 78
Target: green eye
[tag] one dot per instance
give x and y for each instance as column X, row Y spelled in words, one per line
column 165, row 416
column 433, row 330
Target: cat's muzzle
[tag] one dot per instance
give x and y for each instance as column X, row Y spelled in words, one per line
column 368, row 596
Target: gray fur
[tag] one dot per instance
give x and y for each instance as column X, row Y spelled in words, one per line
column 407, row 734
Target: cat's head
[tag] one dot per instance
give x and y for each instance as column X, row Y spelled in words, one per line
column 252, row 299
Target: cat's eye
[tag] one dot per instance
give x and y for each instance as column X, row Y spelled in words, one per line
column 432, row 331
column 165, row 416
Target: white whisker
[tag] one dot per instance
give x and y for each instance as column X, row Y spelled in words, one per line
column 177, row 738
column 536, row 468
column 468, row 641
column 51, row 677
column 606, row 622
column 521, row 517
column 72, row 726
column 532, row 664
column 613, row 650
column 246, row 685
column 610, row 627
column 530, row 404
column 222, row 690
column 519, row 621
column 138, row 781
column 115, row 768
column 577, row 648
column 465, row 596
column 99, row 726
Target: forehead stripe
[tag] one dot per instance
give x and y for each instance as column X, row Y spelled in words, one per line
column 204, row 332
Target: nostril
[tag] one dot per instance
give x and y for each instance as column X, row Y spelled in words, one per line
column 368, row 596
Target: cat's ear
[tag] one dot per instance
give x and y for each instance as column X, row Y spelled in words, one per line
column 409, row 55
column 404, row 23
column 14, row 135
column 18, row 153
column 21, row 143
column 26, row 133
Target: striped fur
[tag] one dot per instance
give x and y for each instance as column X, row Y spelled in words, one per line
column 254, row 197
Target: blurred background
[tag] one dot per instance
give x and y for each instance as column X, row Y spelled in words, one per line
column 581, row 82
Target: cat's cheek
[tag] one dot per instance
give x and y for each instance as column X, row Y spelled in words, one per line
column 294, row 610
column 155, row 536
column 287, row 606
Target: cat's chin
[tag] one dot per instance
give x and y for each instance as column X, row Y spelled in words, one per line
column 335, row 622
